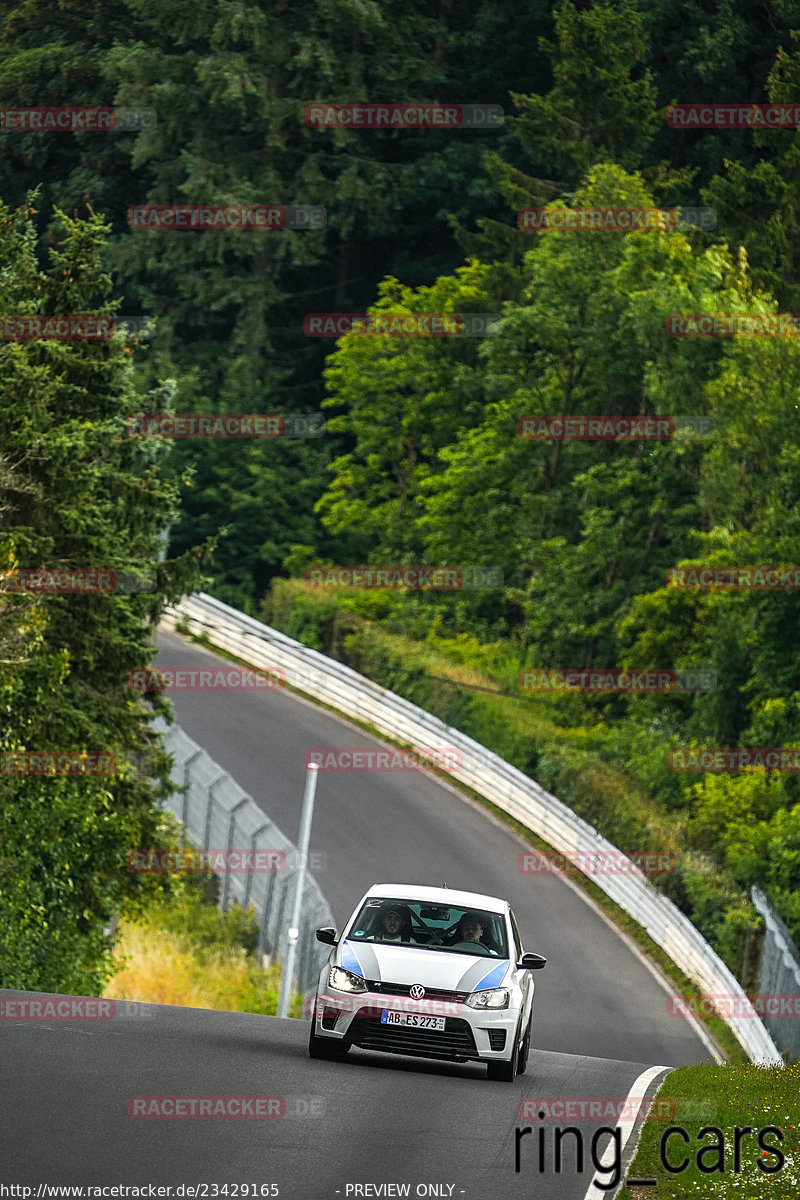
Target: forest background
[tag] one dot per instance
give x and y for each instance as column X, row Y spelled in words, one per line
column 420, row 461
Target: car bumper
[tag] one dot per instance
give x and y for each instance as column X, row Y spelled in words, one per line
column 469, row 1034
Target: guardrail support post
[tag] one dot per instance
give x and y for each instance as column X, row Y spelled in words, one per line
column 287, row 972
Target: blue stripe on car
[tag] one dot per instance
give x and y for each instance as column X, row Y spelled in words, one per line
column 368, row 961
column 349, row 960
column 494, row 977
column 469, row 980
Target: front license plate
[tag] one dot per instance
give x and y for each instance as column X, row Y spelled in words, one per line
column 416, row 1020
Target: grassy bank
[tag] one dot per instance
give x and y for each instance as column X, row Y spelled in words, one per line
column 186, row 952
column 722, row 1098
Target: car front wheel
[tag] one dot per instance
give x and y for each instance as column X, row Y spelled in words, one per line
column 324, row 1047
column 502, row 1072
column 505, row 1072
column 524, row 1049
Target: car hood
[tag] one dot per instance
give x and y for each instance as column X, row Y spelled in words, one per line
column 407, row 965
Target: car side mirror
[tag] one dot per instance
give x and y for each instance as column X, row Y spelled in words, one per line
column 532, row 962
column 327, row 935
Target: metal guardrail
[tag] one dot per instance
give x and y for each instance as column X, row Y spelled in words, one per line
column 485, row 772
column 218, row 815
column 779, row 977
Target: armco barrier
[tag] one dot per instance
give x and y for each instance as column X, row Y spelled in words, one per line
column 486, row 773
column 218, row 815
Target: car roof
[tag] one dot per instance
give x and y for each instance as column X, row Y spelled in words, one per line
column 438, row 895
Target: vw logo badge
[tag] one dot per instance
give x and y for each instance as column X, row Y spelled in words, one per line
column 417, row 991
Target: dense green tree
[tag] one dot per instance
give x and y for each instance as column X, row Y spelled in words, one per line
column 406, row 398
column 719, row 54
column 76, row 493
column 594, row 518
column 602, row 105
column 757, row 201
column 53, row 55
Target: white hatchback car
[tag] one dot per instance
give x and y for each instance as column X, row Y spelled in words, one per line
column 430, row 972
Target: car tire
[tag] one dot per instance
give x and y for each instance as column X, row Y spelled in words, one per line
column 324, row 1047
column 502, row 1072
column 524, row 1050
column 505, row 1072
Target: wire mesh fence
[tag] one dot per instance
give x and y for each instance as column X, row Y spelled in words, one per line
column 779, row 979
column 261, row 863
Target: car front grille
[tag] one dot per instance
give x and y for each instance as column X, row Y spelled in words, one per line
column 384, row 988
column 454, row 1041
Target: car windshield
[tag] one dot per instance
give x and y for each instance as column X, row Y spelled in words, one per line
column 452, row 928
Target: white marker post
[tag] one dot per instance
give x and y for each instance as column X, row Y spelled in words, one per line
column 287, row 974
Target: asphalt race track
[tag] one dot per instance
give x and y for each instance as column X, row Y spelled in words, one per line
column 600, row 1016
column 374, row 1118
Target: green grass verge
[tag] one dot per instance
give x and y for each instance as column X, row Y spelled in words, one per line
column 724, row 1097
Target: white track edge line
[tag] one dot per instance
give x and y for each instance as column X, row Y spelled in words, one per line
column 637, row 1093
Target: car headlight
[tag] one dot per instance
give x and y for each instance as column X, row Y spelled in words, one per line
column 345, row 981
column 491, row 998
